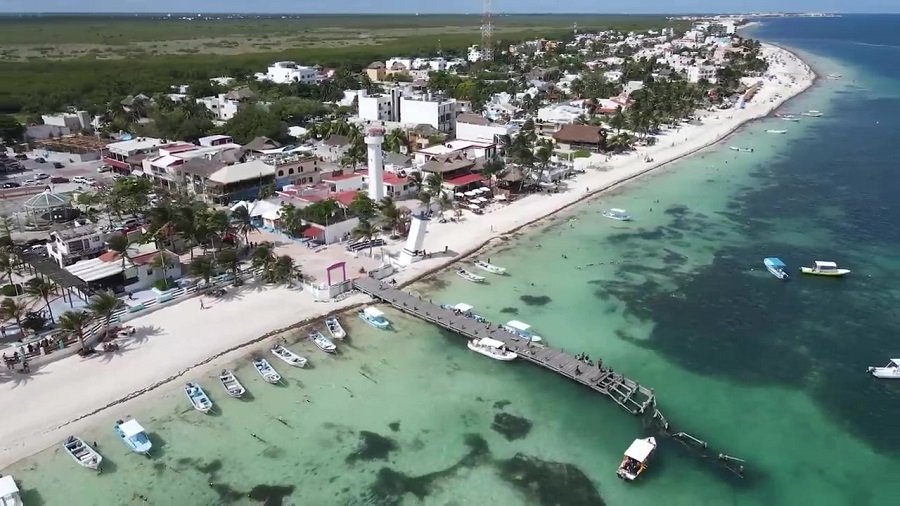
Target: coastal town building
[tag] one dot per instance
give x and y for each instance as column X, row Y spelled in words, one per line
column 70, row 245
column 287, row 72
column 143, row 266
column 576, row 137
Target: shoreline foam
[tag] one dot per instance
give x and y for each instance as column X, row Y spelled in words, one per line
column 73, row 393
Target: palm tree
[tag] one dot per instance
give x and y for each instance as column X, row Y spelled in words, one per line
column 163, row 262
column 11, row 308
column 542, row 157
column 264, row 257
column 205, row 267
column 365, row 230
column 491, row 168
column 390, row 214
column 219, row 226
column 617, row 120
column 103, row 305
column 41, row 289
column 355, row 154
column 395, row 140
column 425, row 198
column 243, row 222
column 120, row 244
column 74, row 322
column 435, row 185
column 283, row 270
column 7, row 263
column 229, row 260
column 415, row 179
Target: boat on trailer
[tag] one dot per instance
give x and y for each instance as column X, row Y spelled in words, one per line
column 493, row 269
column 231, row 384
column 322, row 342
column 82, row 453
column 890, row 371
column 469, row 276
column 636, row 456
column 265, row 369
column 9, row 492
column 776, row 267
column 617, row 214
column 825, row 269
column 374, row 317
column 133, row 435
column 335, row 329
column 521, row 329
column 289, row 356
column 198, row 397
column 491, row 348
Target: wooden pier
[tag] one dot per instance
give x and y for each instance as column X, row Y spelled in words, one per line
column 627, row 393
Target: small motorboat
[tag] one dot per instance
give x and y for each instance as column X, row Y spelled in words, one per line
column 890, row 371
column 493, row 269
column 133, row 435
column 834, row 76
column 265, row 369
column 9, row 492
column 82, row 453
column 465, row 310
column 771, row 131
column 289, row 356
column 491, row 348
column 790, row 118
column 375, row 318
column 776, row 267
column 231, row 384
column 469, row 276
column 636, row 457
column 740, row 149
column 198, row 397
column 322, row 342
column 824, row 269
column 335, row 328
column 617, row 214
column 521, row 329
column 812, row 113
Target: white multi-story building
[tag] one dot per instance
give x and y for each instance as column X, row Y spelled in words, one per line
column 286, row 72
column 472, row 127
column 81, row 120
column 437, row 112
column 222, row 108
column 696, row 73
column 383, row 107
column 560, row 113
column 71, row 245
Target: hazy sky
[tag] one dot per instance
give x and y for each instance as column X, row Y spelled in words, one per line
column 459, row 6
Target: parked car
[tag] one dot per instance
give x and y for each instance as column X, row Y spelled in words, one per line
column 59, row 179
column 21, row 156
column 11, row 185
column 42, row 175
column 104, row 168
column 79, row 180
column 40, row 160
column 57, row 165
column 30, row 181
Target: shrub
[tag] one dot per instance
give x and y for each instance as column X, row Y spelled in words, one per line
column 12, row 290
column 581, row 153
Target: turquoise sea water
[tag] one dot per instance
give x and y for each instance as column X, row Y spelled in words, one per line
column 678, row 299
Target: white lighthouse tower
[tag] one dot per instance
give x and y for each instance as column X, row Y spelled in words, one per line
column 374, row 138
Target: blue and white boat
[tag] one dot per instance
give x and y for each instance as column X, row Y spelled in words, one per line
column 198, row 397
column 322, row 342
column 617, row 214
column 521, row 329
column 776, row 267
column 465, row 310
column 375, row 318
column 134, row 436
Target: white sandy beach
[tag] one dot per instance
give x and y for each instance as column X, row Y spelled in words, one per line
column 176, row 339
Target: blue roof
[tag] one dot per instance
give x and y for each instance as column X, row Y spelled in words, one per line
column 774, row 261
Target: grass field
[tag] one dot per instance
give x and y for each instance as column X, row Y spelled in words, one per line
column 96, row 57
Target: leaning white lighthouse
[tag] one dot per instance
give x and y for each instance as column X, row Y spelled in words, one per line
column 374, row 138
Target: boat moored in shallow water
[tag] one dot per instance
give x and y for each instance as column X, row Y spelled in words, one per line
column 493, row 269
column 289, row 356
column 231, row 384
column 82, row 453
column 322, row 342
column 825, row 269
column 812, row 113
column 9, row 492
column 198, row 397
column 491, row 348
column 776, row 267
column 890, row 371
column 617, row 214
column 779, row 132
column 265, row 369
column 522, row 330
column 469, row 276
column 375, row 318
column 740, row 149
column 133, row 435
column 335, row 328
column 636, row 457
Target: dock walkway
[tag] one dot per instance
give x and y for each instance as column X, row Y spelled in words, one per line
column 627, row 393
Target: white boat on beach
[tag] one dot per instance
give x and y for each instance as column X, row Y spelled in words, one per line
column 469, row 276
column 636, row 456
column 322, row 342
column 198, row 397
column 375, row 318
column 617, row 214
column 521, row 329
column 289, row 356
column 231, row 384
column 740, row 149
column 265, row 369
column 134, row 436
column 493, row 269
column 780, row 132
column 491, row 348
column 82, row 453
column 335, row 329
column 9, row 492
column 890, row 371
column 776, row 267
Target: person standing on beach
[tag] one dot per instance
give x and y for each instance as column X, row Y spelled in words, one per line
column 201, row 304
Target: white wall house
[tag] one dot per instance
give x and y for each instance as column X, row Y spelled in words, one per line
column 697, row 72
column 68, row 246
column 286, row 72
column 139, row 272
column 560, row 113
column 440, row 114
column 222, row 108
column 81, row 120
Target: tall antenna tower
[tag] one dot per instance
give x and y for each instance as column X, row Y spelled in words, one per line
column 487, row 32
